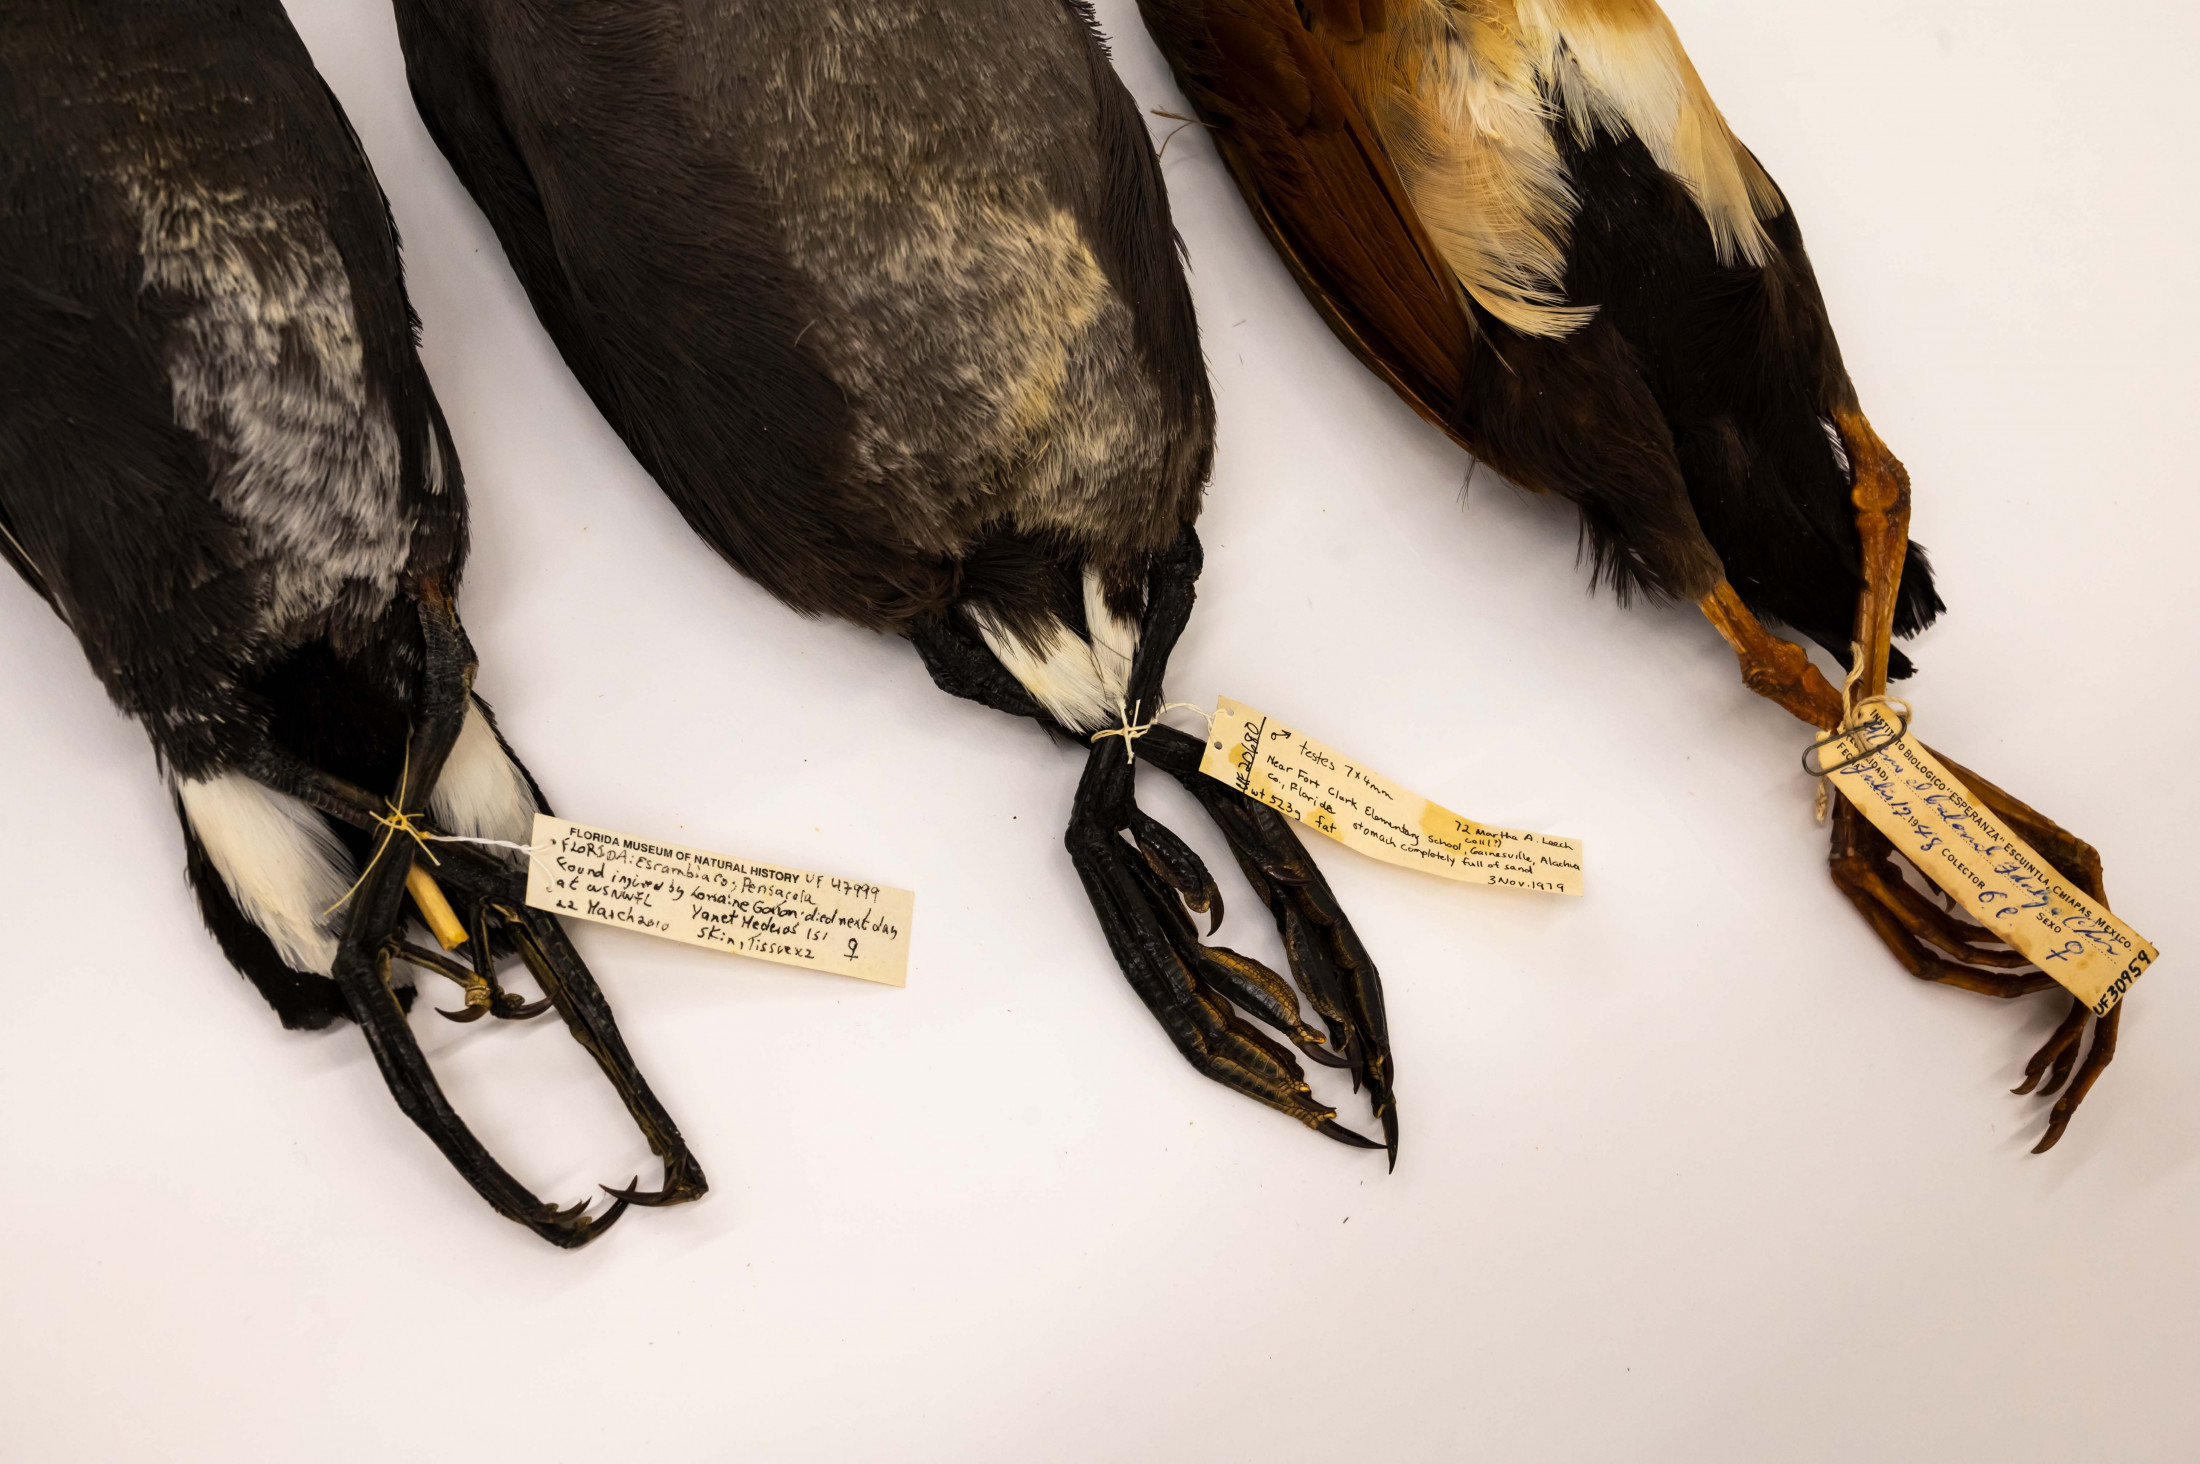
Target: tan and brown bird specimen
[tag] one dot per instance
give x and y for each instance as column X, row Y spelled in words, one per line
column 1531, row 220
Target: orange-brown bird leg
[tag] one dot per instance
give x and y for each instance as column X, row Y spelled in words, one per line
column 1778, row 670
column 1863, row 862
column 1865, row 869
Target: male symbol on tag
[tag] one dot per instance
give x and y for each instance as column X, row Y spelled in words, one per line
column 1360, row 808
column 1989, row 873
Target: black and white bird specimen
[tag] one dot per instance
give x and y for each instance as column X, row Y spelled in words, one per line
column 222, row 465
column 887, row 298
column 1528, row 217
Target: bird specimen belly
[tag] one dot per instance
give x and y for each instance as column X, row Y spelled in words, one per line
column 265, row 364
column 1468, row 97
column 914, row 156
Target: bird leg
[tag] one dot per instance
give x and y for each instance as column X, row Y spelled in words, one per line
column 372, row 938
column 1930, row 942
column 1196, row 985
column 1144, row 889
column 542, row 943
column 362, row 972
column 503, row 1005
column 1779, row 670
column 1188, row 987
column 1323, row 950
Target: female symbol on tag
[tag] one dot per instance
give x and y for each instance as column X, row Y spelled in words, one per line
column 737, row 906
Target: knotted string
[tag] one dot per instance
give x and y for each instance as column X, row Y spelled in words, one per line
column 1132, row 729
column 397, row 821
column 1853, row 715
column 394, row 822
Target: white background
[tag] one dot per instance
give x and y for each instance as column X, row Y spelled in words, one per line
column 1691, row 1169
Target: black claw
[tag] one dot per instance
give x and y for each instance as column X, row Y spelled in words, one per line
column 572, row 1228
column 1178, row 866
column 1315, row 1052
column 1330, row 1128
column 463, row 1014
column 511, row 1008
column 682, row 1183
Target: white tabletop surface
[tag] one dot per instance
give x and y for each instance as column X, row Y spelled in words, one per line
column 1692, row 1170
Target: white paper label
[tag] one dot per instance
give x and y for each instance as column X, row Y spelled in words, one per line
column 820, row 922
column 1322, row 788
column 1992, row 875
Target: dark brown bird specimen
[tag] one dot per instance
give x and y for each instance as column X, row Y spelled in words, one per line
column 887, row 299
column 222, row 466
column 1528, row 217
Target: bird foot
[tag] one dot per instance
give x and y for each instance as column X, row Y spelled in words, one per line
column 1935, row 944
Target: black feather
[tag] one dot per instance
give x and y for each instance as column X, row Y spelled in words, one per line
column 131, row 126
column 1743, row 366
column 887, row 299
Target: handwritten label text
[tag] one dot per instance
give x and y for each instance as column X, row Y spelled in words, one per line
column 738, row 906
column 1321, row 787
column 1992, row 876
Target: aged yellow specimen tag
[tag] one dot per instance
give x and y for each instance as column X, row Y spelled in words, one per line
column 816, row 921
column 1319, row 786
column 1992, row 875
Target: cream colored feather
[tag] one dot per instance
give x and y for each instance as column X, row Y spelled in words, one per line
column 1456, row 90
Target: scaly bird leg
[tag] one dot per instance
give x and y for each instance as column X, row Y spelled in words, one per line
column 362, row 973
column 504, row 1005
column 1145, row 893
column 372, row 938
column 1323, row 950
column 1863, row 863
column 1778, row 670
column 1153, row 942
column 549, row 954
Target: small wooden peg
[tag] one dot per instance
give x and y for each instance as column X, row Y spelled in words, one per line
column 434, row 908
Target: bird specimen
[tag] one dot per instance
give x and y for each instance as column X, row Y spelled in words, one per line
column 222, row 466
column 887, row 299
column 1528, row 217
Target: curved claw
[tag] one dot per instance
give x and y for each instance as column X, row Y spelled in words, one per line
column 513, row 1008
column 1330, row 1128
column 682, row 1182
column 1174, row 862
column 463, row 1014
column 571, row 1228
column 2063, row 1055
column 1313, row 1051
column 2097, row 1058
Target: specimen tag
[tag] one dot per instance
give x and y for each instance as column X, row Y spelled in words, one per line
column 816, row 921
column 1991, row 875
column 1358, row 807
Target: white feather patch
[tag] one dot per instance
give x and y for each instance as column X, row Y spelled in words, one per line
column 1081, row 682
column 280, row 860
column 482, row 794
column 1114, row 640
